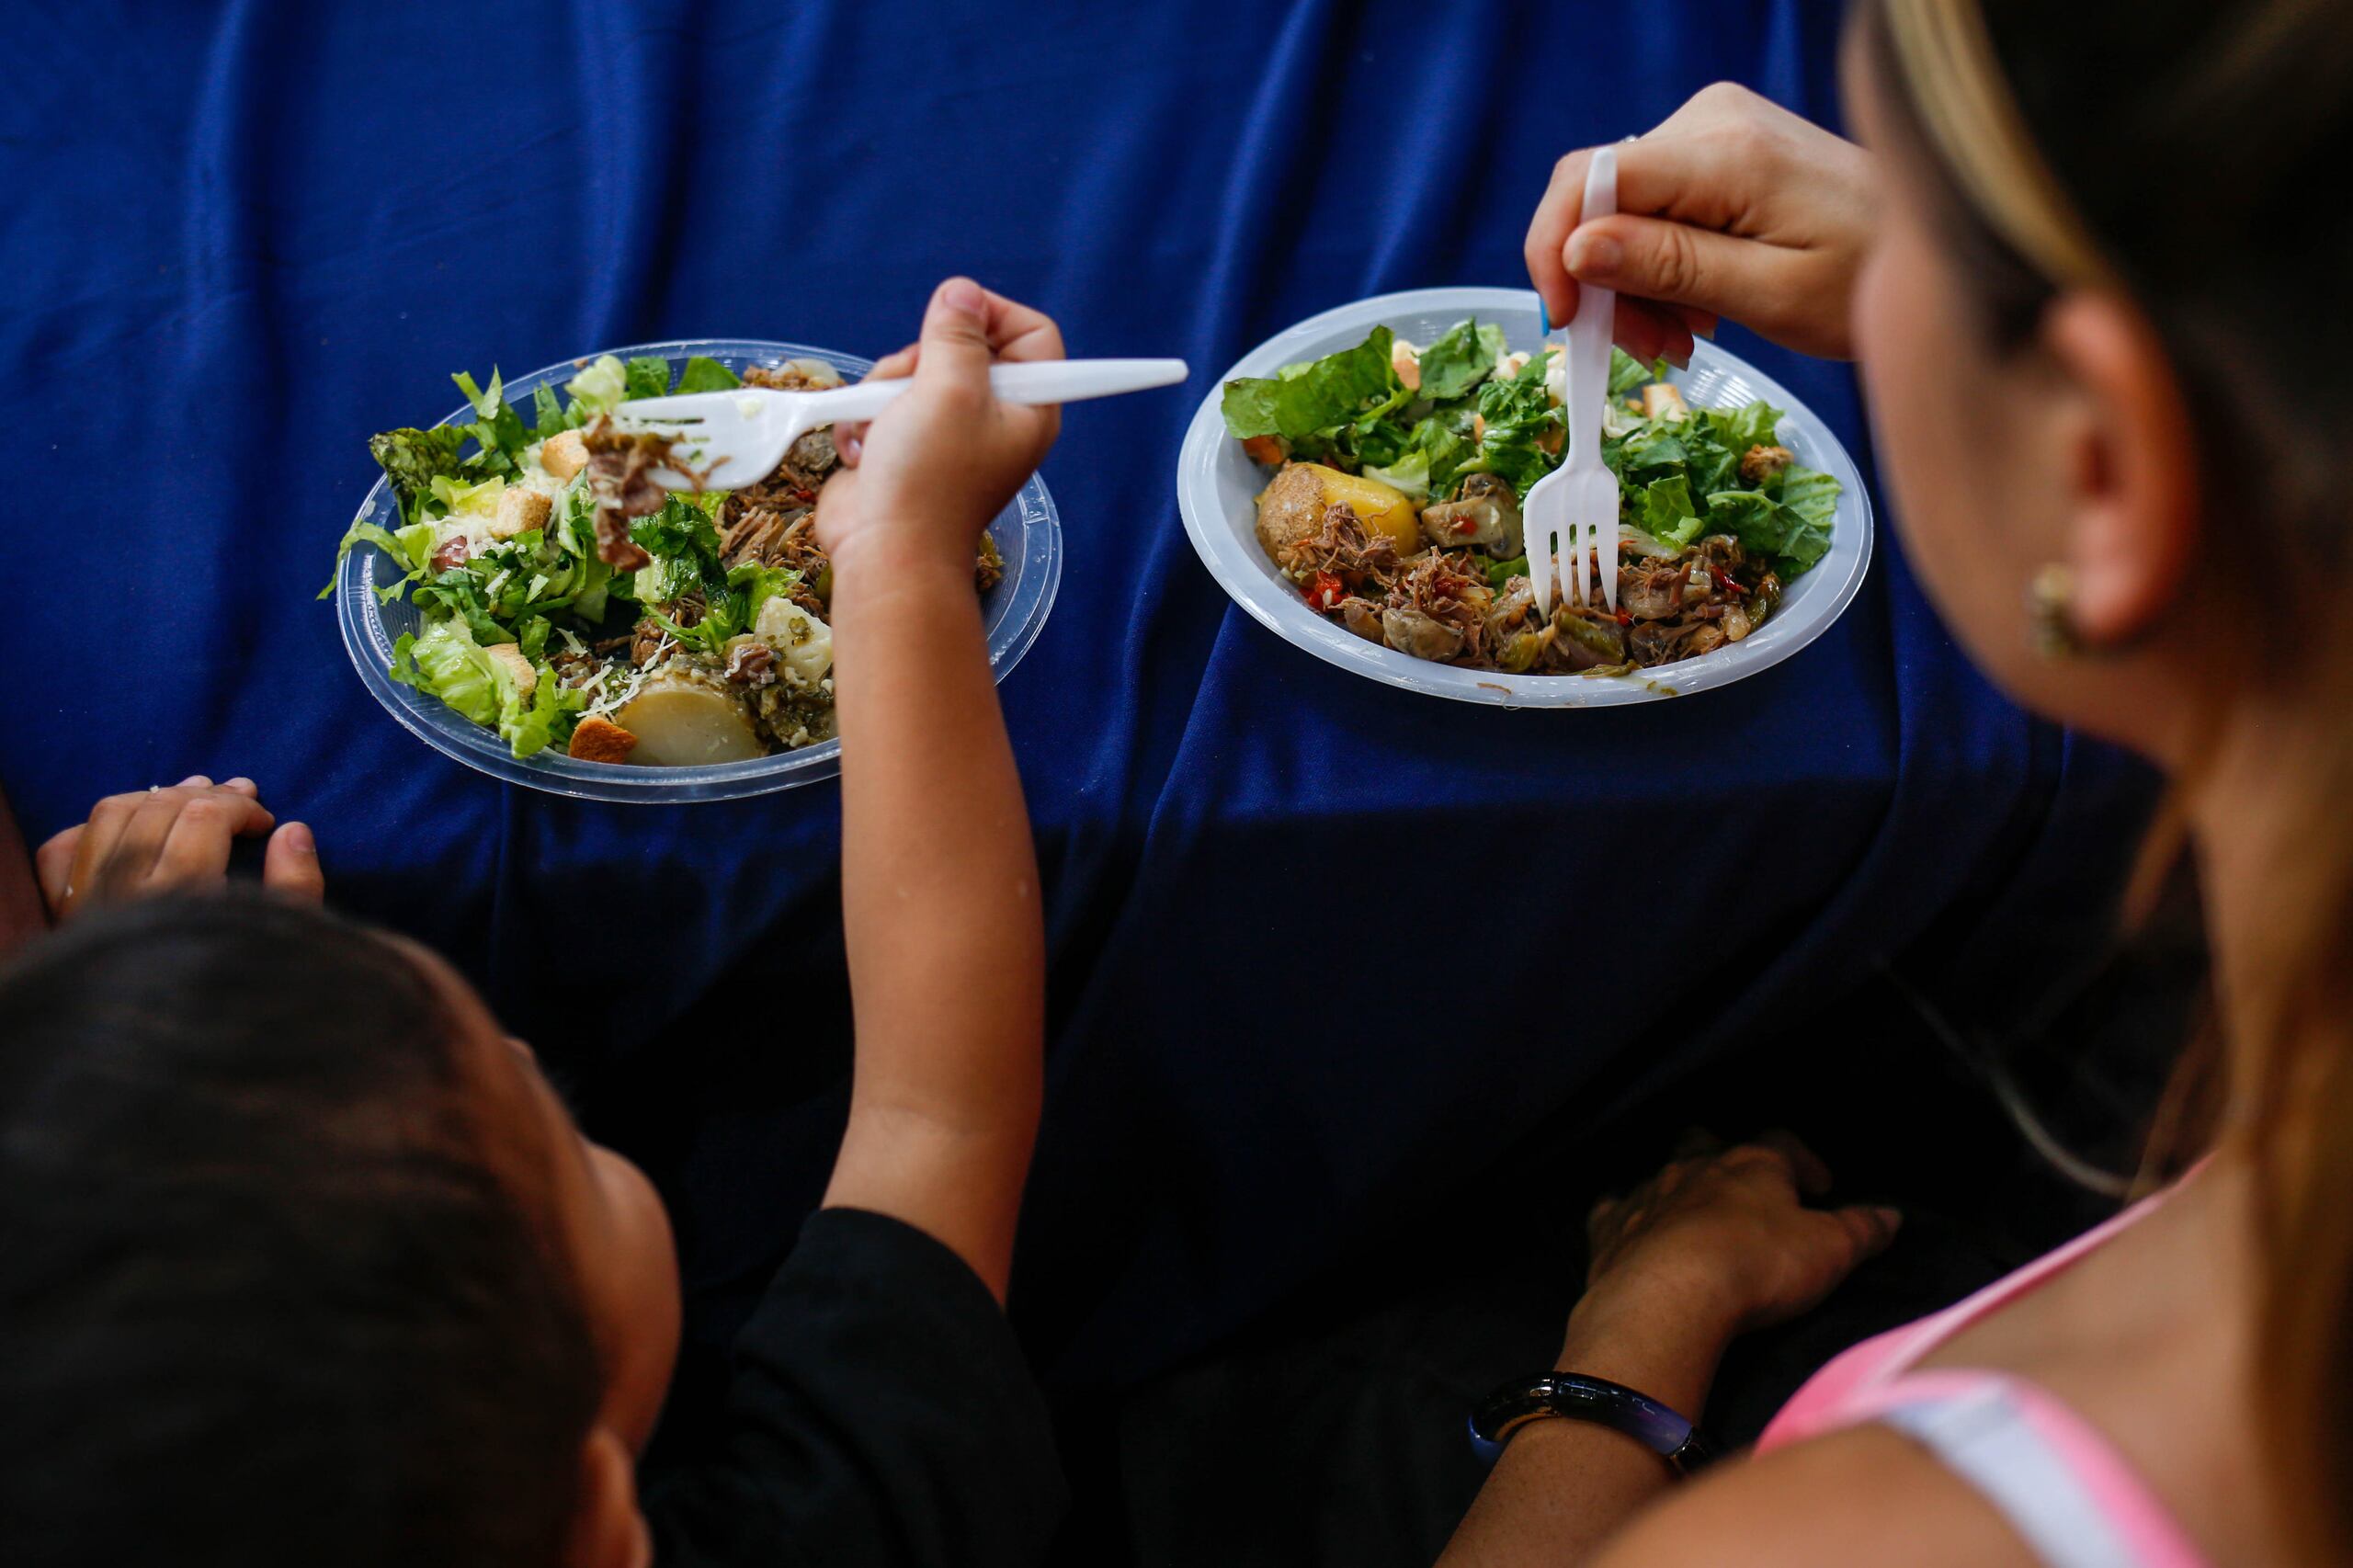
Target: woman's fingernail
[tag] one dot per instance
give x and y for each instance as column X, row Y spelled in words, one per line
column 1892, row 1217
column 241, row 782
column 961, row 295
column 1595, row 254
column 299, row 839
column 196, row 778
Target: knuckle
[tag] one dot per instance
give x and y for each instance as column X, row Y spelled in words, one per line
column 1675, row 264
column 1724, row 96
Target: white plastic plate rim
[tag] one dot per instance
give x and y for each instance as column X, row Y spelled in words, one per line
column 1215, row 484
column 1017, row 614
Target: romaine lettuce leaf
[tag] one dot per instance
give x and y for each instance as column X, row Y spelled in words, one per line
column 1460, row 359
column 1410, row 474
column 528, row 724
column 648, row 375
column 410, row 549
column 496, row 427
column 1334, row 391
column 758, row 585
column 479, row 497
column 1519, row 414
column 1812, row 495
column 414, row 458
column 703, row 374
column 680, row 529
column 1768, row 528
column 1628, row 374
column 547, row 414
column 1666, row 512
column 598, row 389
column 447, row 662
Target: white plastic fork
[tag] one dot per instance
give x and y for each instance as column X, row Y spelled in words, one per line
column 748, row 430
column 1573, row 509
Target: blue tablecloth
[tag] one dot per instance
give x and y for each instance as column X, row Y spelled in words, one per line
column 1305, row 928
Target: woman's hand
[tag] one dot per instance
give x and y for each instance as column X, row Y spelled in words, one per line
column 1732, row 207
column 933, row 467
column 1725, row 1237
column 156, row 841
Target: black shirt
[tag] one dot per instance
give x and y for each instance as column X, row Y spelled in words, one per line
column 878, row 1412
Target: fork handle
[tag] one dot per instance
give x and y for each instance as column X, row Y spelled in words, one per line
column 1024, row 381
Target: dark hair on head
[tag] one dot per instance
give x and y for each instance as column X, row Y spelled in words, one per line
column 269, row 1292
column 2197, row 144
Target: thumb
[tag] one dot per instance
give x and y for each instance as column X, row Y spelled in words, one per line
column 956, row 334
column 291, row 863
column 1656, row 258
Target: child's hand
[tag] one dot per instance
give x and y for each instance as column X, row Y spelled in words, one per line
column 162, row 840
column 927, row 474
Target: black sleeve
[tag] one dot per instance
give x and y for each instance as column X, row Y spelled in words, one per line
column 878, row 1412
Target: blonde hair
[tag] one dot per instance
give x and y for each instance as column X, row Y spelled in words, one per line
column 2234, row 118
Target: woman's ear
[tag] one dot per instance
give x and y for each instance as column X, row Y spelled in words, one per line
column 2133, row 505
column 608, row 1530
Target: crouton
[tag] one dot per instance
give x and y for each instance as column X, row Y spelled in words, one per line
column 563, row 454
column 1663, row 402
column 1760, row 463
column 1407, row 360
column 519, row 511
column 527, row 679
column 598, row 739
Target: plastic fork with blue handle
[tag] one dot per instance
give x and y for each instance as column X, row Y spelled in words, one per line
column 1574, row 510
column 746, row 431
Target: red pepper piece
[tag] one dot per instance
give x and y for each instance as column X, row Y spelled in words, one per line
column 1324, row 591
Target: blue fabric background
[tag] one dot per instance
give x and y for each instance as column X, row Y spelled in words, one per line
column 1305, row 928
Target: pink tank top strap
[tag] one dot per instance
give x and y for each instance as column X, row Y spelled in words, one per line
column 2054, row 1476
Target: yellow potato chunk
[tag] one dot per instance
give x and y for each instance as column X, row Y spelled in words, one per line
column 680, row 723
column 1290, row 509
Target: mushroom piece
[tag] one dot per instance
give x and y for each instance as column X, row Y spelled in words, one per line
column 1411, row 631
column 1485, row 514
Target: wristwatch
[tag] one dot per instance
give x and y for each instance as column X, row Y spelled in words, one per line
column 1571, row 1396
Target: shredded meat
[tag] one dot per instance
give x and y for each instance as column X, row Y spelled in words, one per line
column 453, row 552
column 620, row 476
column 1359, row 560
column 1437, row 605
column 645, row 642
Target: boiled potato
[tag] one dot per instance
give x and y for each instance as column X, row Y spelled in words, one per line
column 1290, row 509
column 680, row 723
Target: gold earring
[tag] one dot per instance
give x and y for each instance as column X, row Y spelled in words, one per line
column 2049, row 606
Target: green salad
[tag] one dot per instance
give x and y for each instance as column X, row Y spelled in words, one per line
column 1400, row 470
column 564, row 601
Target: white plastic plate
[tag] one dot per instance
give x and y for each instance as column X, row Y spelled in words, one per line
column 1217, row 486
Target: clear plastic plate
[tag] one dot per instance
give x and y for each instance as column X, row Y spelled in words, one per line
column 1217, row 486
column 1028, row 534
